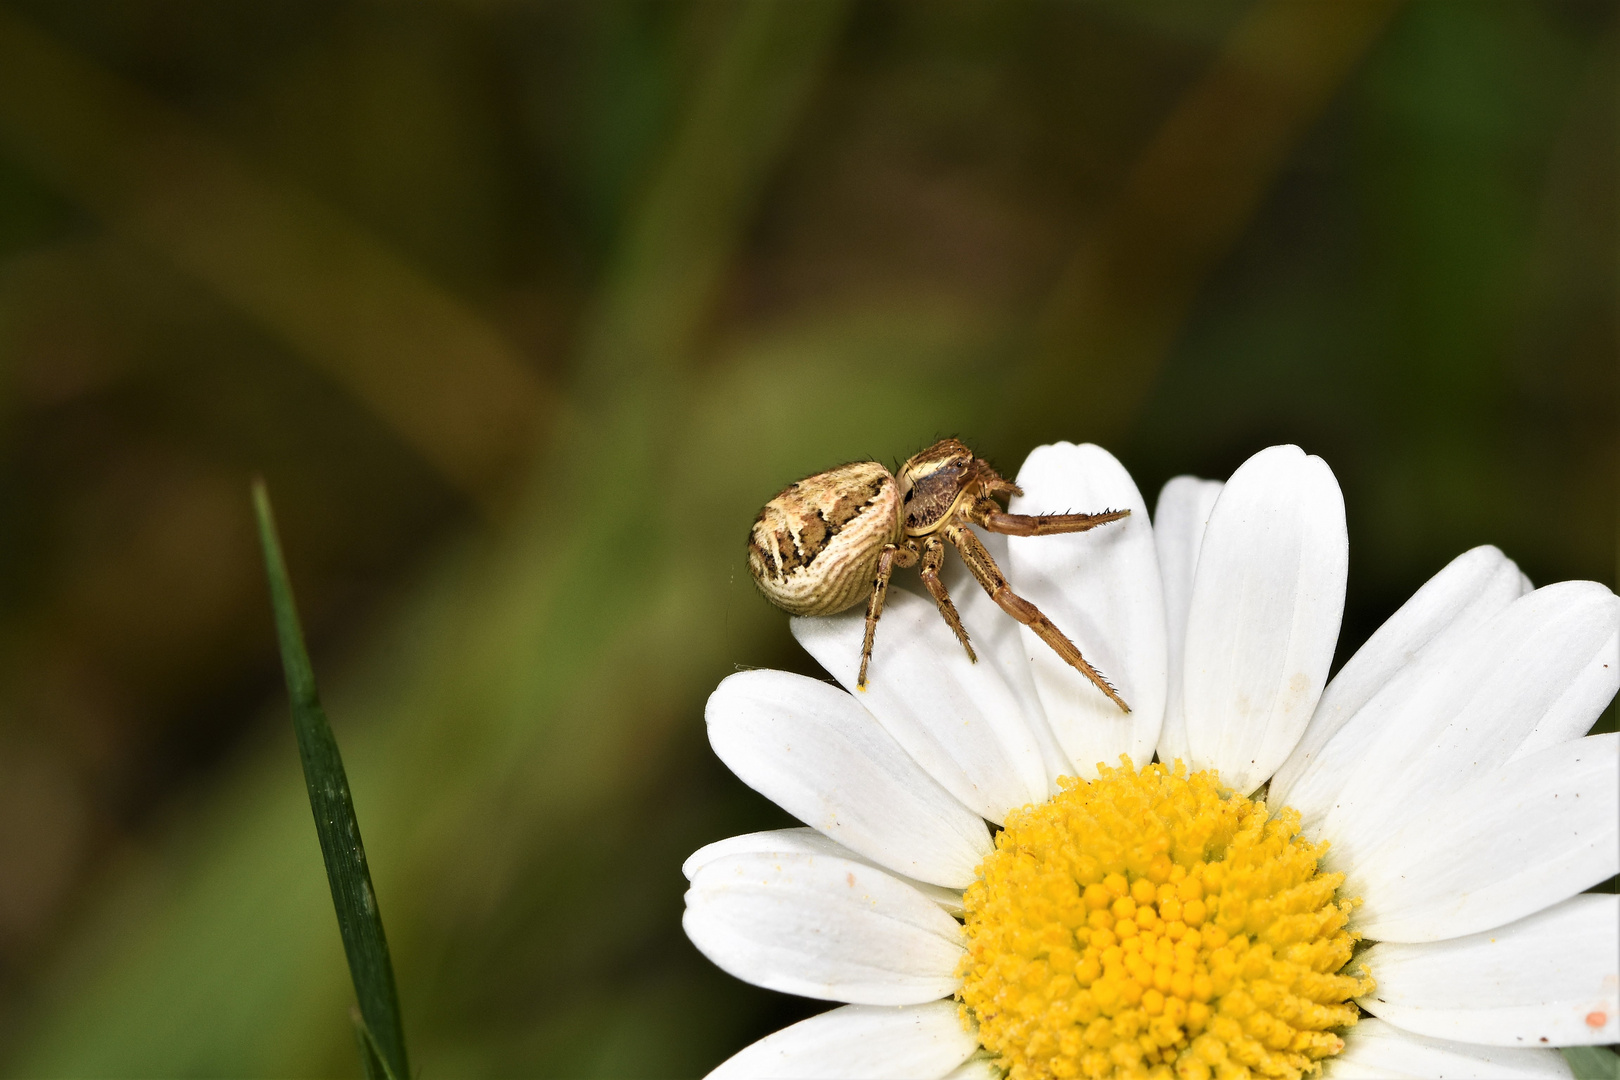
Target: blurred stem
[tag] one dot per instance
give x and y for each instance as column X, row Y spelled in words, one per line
column 611, row 461
column 678, row 245
column 343, row 851
column 1116, row 310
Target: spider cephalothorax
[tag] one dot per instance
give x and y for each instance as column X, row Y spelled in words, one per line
column 831, row 538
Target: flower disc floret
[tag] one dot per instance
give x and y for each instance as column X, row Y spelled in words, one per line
column 1151, row 924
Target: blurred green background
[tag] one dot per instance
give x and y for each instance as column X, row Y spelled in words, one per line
column 523, row 309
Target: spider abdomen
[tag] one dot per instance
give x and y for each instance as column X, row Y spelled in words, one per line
column 814, row 548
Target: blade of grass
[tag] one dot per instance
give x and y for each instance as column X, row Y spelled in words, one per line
column 1593, row 1062
column 370, row 1053
column 359, row 921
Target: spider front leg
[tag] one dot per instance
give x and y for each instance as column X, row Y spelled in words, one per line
column 988, row 513
column 933, row 557
column 901, row 554
column 989, row 575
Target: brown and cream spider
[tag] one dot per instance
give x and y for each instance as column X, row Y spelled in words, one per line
column 831, row 538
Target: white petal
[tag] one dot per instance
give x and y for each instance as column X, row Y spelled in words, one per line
column 1469, row 590
column 1464, row 711
column 1549, row 980
column 771, row 842
column 859, row 1042
column 1573, row 715
column 977, row 1068
column 996, row 637
column 1375, row 1049
column 1179, row 520
column 1266, row 602
column 822, row 927
column 807, row 842
column 815, row 752
column 957, row 719
column 1527, row 835
column 1101, row 588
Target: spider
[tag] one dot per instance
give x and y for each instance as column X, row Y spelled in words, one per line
column 827, row 540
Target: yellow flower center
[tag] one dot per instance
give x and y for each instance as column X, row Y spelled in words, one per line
column 1151, row 924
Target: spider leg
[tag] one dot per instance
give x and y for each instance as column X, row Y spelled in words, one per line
column 1002, row 489
column 933, row 557
column 993, row 483
column 989, row 575
column 893, row 555
column 988, row 513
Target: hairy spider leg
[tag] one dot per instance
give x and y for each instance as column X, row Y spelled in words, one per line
column 992, row 483
column 901, row 554
column 988, row 512
column 984, row 568
column 933, row 557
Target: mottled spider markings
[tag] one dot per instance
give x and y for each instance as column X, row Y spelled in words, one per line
column 810, row 515
column 825, row 541
column 808, row 548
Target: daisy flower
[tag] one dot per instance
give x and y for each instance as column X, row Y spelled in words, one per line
column 1257, row 872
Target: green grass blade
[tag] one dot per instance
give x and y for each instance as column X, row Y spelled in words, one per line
column 359, row 921
column 371, row 1058
column 1593, row 1062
